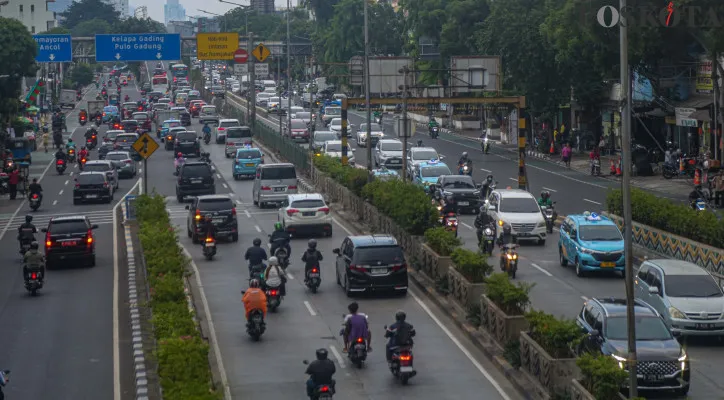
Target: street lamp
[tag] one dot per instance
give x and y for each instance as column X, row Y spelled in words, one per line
column 246, row 13
column 367, row 92
column 218, row 15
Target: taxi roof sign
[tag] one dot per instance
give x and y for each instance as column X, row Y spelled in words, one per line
column 433, row 161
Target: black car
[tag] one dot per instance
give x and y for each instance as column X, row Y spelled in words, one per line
column 194, row 179
column 130, row 125
column 187, row 143
column 463, row 190
column 104, row 149
column 92, row 186
column 663, row 364
column 124, row 142
column 371, row 263
column 222, row 211
column 69, row 239
column 170, row 139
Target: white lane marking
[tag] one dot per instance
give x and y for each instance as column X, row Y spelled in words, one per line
column 467, row 226
column 290, row 276
column 140, row 170
column 536, row 266
column 60, row 193
column 514, row 179
column 549, row 189
column 218, row 176
column 212, row 329
column 486, row 170
column 268, row 245
column 310, row 309
column 224, row 185
column 71, row 173
column 238, row 202
column 66, row 182
column 338, row 356
column 343, row 227
column 247, row 213
column 55, row 202
column 257, row 228
column 591, row 201
column 462, row 348
column 584, row 298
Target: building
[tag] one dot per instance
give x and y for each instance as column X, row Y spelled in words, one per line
column 34, row 14
column 263, row 6
column 173, row 11
column 121, row 6
column 184, row 28
column 59, row 6
column 206, row 24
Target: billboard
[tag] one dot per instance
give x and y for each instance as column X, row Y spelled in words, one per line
column 475, row 74
column 385, row 76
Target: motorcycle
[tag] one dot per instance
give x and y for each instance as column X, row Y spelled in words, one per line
column 205, row 157
column 255, row 326
column 60, row 166
column 207, row 137
column 82, row 120
column 25, row 244
column 487, row 242
column 434, row 132
column 548, row 215
column 71, row 155
column 321, row 392
column 99, row 121
column 466, row 168
column 358, row 352
column 34, row 202
column 450, row 222
column 209, row 248
column 91, row 142
column 401, row 364
column 273, row 298
column 257, row 272
column 596, row 167
column 313, row 279
column 509, row 259
column 485, row 146
column 34, row 282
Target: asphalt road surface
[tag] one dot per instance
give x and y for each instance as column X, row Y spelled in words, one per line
column 557, row 289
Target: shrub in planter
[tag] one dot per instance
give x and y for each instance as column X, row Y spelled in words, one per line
column 183, row 366
column 172, row 320
column 350, row 177
column 602, row 376
column 405, row 203
column 442, row 241
column 473, row 266
column 511, row 298
column 557, row 336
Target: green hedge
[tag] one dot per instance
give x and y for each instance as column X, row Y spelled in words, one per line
column 677, row 218
column 183, row 356
column 602, row 377
column 352, row 178
column 442, row 241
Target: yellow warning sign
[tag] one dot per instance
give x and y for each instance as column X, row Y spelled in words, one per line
column 145, row 145
column 261, row 52
column 216, row 46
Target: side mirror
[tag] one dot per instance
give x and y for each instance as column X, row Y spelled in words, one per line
column 187, row 207
column 94, row 226
column 335, row 251
column 385, row 327
column 442, row 157
column 44, row 230
column 653, row 290
column 491, row 208
column 594, row 333
column 175, row 173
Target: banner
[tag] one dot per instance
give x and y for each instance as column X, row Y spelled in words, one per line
column 704, row 83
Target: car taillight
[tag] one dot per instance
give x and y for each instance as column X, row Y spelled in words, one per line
column 198, row 215
column 233, row 211
column 48, row 241
column 221, row 129
column 356, row 268
column 105, row 185
column 33, row 275
column 293, row 187
column 292, row 211
column 399, row 267
column 324, row 210
column 129, row 162
column 89, row 240
column 315, row 270
column 229, row 143
column 265, row 188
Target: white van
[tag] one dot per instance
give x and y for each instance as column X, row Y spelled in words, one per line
column 270, row 84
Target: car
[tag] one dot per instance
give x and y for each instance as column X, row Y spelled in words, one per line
column 144, row 119
column 686, row 295
column 331, row 112
column 170, row 139
column 183, row 115
column 298, row 130
column 377, row 133
column 180, row 98
column 194, row 95
column 221, row 129
column 218, row 91
column 222, row 211
column 104, row 148
column 463, row 191
column 69, row 239
column 124, row 142
column 306, row 213
column 156, row 107
column 245, row 162
column 195, row 107
column 165, row 126
column 130, row 125
column 333, row 148
column 187, row 143
column 662, row 363
column 194, row 179
column 335, row 125
column 109, row 112
column 306, row 116
column 591, row 242
column 417, row 155
column 294, row 110
column 236, row 138
column 124, row 163
column 208, row 115
column 111, row 135
column 164, row 100
column 388, row 153
column 370, row 263
column 105, row 166
column 263, row 98
column 127, row 109
column 519, row 210
column 274, row 105
column 320, row 137
column 273, row 182
column 92, row 186
column 427, row 173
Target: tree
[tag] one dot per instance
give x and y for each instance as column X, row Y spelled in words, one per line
column 86, row 10
column 82, row 74
column 91, row 28
column 57, row 30
column 17, row 60
column 323, row 10
column 138, row 25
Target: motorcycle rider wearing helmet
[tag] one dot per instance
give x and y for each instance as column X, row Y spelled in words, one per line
column 255, row 254
column 545, row 199
column 254, row 298
column 207, row 228
column 400, row 334
column 35, row 188
column 320, row 372
column 90, row 132
column 206, row 130
column 179, row 161
column 27, row 231
column 463, row 158
column 311, row 258
column 274, row 276
column 82, row 154
column 33, row 260
column 280, row 238
column 60, row 154
column 485, row 190
column 356, row 325
column 483, row 220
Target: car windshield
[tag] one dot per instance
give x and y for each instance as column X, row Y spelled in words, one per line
column 248, row 155
column 424, row 155
column 378, row 254
column 321, row 137
column 126, row 138
column 226, row 124
column 647, row 328
column 374, row 128
column 117, row 157
column 96, row 167
column 333, row 111
column 304, row 115
column 334, row 147
column 691, row 286
column 186, row 136
column 129, row 123
column 67, row 227
column 296, row 124
column 237, row 132
column 599, row 232
column 140, row 116
column 274, row 100
column 459, row 183
column 215, row 204
column 91, row 179
column 281, row 172
column 434, row 172
column 519, row 205
column 197, row 170
column 308, row 203
column 208, row 110
column 391, row 146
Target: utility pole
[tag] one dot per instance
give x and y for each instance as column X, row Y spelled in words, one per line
column 251, row 106
column 404, row 71
column 279, row 93
column 368, row 109
column 626, row 192
column 289, row 70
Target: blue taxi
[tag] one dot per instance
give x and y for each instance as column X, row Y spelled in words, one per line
column 246, row 161
column 385, row 174
column 165, row 126
column 426, row 173
column 591, row 242
column 110, row 112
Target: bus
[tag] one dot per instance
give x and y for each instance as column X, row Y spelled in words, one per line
column 159, row 80
column 180, row 72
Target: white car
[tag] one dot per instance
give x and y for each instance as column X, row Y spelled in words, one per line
column 294, row 110
column 376, row 132
column 306, row 213
column 335, row 125
column 417, row 155
column 221, row 129
column 263, row 98
column 519, row 210
column 333, row 148
column 388, row 153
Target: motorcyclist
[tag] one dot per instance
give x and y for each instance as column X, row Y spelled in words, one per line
column 485, row 190
column 254, row 298
column 506, row 236
column 126, row 98
column 35, row 188
column 280, row 238
column 377, row 115
column 356, row 325
column 431, row 123
column 320, row 372
column 70, row 144
column 82, row 154
column 83, row 113
column 400, row 334
column 207, row 228
column 311, row 258
column 179, row 161
column 255, row 254
column 206, row 130
column 545, row 199
column 33, row 260
column 27, row 231
column 463, row 159
column 60, row 154
column 483, row 220
column 274, row 276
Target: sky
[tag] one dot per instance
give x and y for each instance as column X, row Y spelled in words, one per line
column 155, row 7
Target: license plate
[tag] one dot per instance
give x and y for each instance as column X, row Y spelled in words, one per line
column 608, row 264
column 704, row 326
column 196, row 180
column 68, row 244
column 314, row 275
column 654, row 378
column 219, row 219
column 91, row 196
column 524, row 234
column 405, row 369
column 309, row 213
column 378, row 271
column 464, row 203
column 279, row 189
column 210, row 244
column 249, row 165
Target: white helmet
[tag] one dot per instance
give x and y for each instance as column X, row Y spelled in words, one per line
column 273, row 261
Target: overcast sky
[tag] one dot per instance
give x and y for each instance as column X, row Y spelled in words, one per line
column 155, row 7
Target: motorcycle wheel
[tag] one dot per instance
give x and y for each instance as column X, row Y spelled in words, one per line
column 667, row 173
column 34, row 292
column 313, row 289
column 404, row 379
column 209, row 256
column 511, row 273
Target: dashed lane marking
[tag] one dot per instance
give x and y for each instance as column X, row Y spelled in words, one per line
column 536, row 266
column 310, row 309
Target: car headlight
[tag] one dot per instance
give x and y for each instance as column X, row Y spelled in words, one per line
column 621, row 360
column 446, row 193
column 683, row 359
column 675, row 313
column 583, row 250
column 541, row 224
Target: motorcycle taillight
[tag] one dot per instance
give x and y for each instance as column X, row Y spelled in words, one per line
column 405, row 359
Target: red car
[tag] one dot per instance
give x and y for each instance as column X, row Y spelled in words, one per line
column 195, row 107
column 299, row 130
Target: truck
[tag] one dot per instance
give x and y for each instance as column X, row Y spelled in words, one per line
column 95, row 106
column 67, row 98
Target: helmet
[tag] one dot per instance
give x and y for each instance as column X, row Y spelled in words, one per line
column 506, row 229
column 273, row 261
column 465, row 153
column 489, row 178
column 321, row 354
column 34, row 245
column 278, row 226
column 257, row 242
column 312, row 244
column 179, row 155
column 400, row 316
column 28, row 219
column 254, row 283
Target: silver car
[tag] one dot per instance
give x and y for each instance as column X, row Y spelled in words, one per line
column 106, row 166
column 208, row 114
column 123, row 162
column 388, row 153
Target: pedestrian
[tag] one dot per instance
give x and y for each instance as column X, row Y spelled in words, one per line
column 13, row 182
column 566, row 154
column 46, row 139
column 719, row 189
column 601, row 145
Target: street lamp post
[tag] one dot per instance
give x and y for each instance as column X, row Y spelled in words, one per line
column 368, row 109
column 289, row 70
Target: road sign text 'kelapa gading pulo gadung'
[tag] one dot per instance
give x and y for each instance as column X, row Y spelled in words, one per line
column 669, row 15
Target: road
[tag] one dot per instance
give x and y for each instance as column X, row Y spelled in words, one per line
column 557, row 289
column 306, row 322
column 60, row 344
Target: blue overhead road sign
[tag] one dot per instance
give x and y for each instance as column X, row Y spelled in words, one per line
column 53, row 48
column 138, row 47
